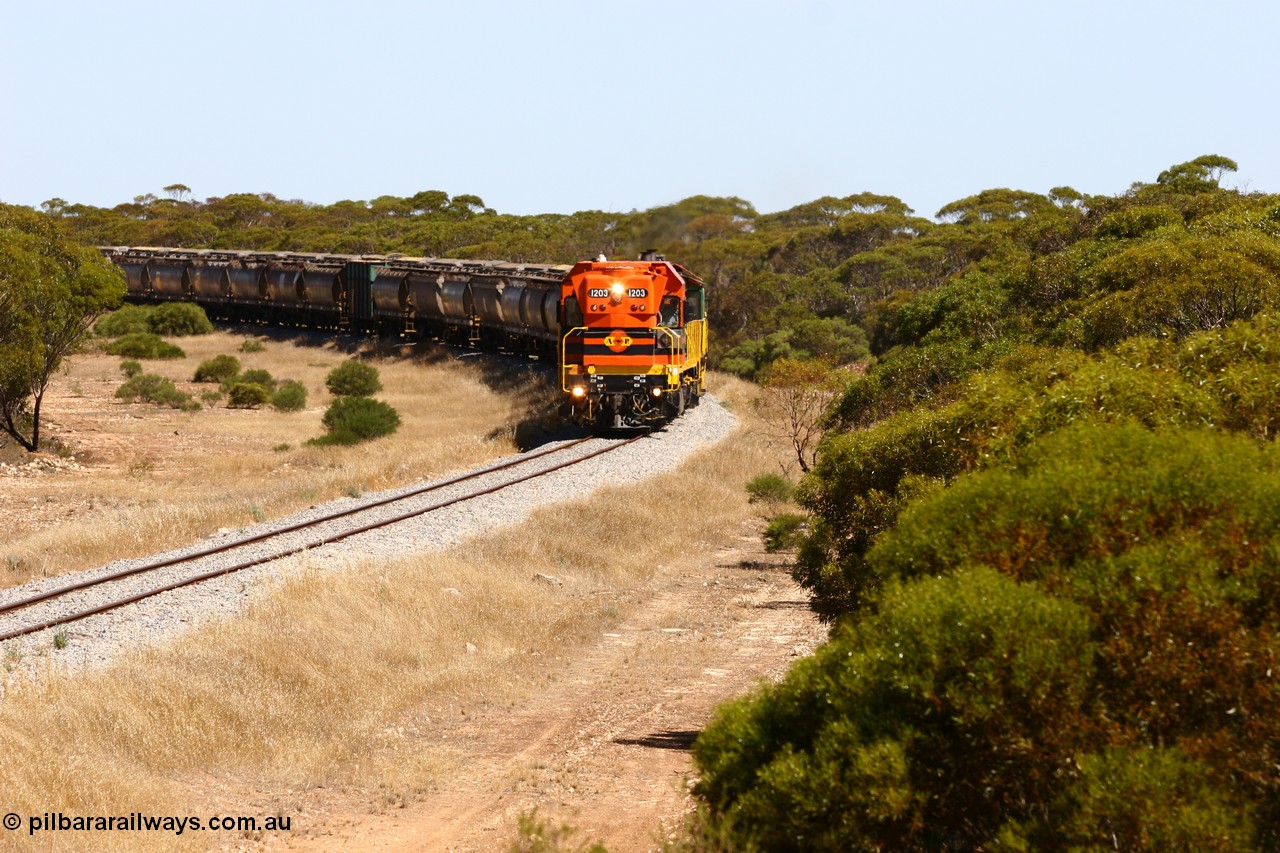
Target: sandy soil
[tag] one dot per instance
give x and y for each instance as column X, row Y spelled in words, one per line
column 603, row 745
column 91, row 439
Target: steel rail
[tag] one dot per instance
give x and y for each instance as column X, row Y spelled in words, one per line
column 112, row 605
column 249, row 540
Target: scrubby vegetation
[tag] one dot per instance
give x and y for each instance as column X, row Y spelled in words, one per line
column 145, row 345
column 247, row 395
column 351, row 420
column 171, row 319
column 127, row 320
column 220, row 368
column 1042, row 525
column 291, row 396
column 259, row 376
column 353, row 379
column 770, row 488
column 150, row 388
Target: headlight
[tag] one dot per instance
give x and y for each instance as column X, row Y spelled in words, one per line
column 656, row 391
column 615, row 292
column 578, row 392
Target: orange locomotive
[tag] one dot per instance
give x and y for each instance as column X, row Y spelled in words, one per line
column 631, row 336
column 633, row 347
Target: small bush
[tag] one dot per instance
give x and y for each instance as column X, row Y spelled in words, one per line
column 144, row 345
column 247, row 395
column 128, row 320
column 61, row 640
column 258, row 376
column 784, row 532
column 177, row 319
column 211, row 396
column 289, row 397
column 537, row 835
column 130, row 368
column 353, row 379
column 150, row 388
column 251, row 345
column 172, row 319
column 220, row 368
column 770, row 488
column 282, row 448
column 351, row 420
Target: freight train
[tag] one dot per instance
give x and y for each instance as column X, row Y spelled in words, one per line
column 629, row 338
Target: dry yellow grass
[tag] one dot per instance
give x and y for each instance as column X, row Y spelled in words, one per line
column 159, row 477
column 301, row 690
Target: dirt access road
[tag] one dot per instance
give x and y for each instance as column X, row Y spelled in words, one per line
column 604, row 745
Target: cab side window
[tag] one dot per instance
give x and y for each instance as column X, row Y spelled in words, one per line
column 693, row 306
column 669, row 311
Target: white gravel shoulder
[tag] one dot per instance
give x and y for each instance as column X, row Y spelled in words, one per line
column 97, row 640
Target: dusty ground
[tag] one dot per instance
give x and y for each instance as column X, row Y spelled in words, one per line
column 603, row 745
column 117, row 479
column 601, row 742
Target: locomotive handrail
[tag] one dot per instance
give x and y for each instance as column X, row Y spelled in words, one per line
column 564, row 364
column 678, row 342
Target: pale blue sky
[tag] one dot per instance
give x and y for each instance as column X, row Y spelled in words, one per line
column 560, row 105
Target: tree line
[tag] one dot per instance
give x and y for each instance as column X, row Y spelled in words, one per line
column 1043, row 528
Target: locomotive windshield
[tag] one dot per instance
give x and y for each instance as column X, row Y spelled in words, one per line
column 572, row 312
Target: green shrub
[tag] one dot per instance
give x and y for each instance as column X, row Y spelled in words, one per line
column 171, row 319
column 291, row 396
column 178, row 319
column 1141, row 799
column 144, row 345
column 784, row 532
column 130, row 368
column 220, row 368
column 951, row 713
column 127, row 320
column 350, row 420
column 150, row 388
column 247, row 395
column 258, row 376
column 353, row 379
column 1076, row 642
column 211, row 396
column 770, row 488
column 250, row 345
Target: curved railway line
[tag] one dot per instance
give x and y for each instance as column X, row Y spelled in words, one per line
column 64, row 597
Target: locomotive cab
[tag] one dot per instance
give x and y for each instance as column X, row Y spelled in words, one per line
column 634, row 342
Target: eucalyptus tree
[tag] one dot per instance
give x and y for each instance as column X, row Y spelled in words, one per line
column 51, row 291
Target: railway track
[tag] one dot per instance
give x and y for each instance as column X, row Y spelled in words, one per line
column 75, row 601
